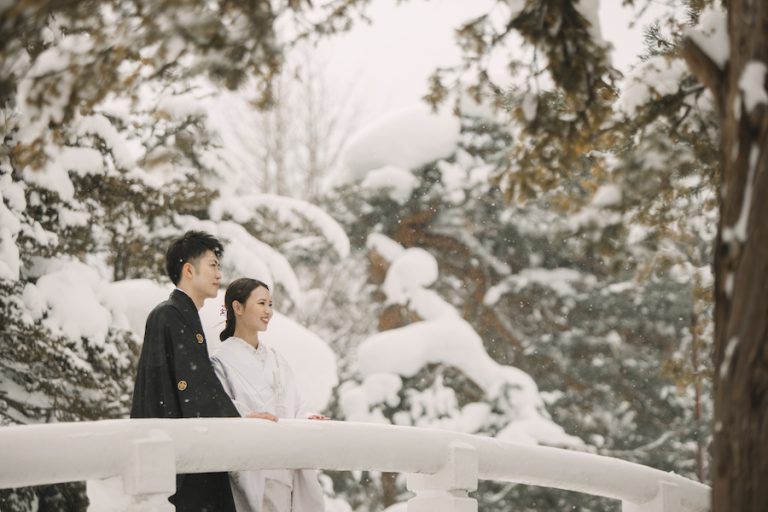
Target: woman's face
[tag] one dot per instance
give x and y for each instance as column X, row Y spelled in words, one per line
column 256, row 313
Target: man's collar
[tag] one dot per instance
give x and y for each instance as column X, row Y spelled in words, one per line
column 183, row 297
column 188, row 296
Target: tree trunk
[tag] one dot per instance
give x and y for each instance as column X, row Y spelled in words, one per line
column 695, row 370
column 389, row 489
column 740, row 451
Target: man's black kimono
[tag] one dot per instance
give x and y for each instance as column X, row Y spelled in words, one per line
column 175, row 379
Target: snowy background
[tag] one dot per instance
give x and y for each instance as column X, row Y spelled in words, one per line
column 409, row 288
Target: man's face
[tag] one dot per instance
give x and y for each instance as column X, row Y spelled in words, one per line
column 206, row 275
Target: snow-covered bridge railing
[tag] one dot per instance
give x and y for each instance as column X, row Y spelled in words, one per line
column 442, row 466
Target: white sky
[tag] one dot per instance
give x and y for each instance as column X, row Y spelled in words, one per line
column 388, row 62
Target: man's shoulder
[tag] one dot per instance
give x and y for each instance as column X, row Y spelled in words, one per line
column 167, row 307
column 165, row 312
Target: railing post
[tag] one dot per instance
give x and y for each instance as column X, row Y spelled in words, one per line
column 148, row 479
column 669, row 498
column 446, row 490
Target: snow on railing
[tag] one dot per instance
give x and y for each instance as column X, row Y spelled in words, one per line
column 442, row 466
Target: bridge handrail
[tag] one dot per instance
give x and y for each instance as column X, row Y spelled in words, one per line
column 63, row 452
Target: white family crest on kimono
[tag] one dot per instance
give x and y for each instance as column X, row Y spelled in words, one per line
column 261, row 380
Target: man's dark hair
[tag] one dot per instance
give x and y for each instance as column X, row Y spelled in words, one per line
column 187, row 248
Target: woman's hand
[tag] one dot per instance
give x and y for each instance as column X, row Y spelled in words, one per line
column 262, row 416
column 318, row 417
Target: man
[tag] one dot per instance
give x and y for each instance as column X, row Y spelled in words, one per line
column 175, row 378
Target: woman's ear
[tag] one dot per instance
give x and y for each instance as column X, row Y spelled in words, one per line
column 237, row 307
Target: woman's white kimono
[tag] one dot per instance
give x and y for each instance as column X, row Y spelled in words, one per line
column 260, row 380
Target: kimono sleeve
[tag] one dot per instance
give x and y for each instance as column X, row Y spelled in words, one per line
column 229, row 386
column 154, row 393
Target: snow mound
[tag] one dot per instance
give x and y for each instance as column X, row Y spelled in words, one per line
column 451, row 341
column 407, row 139
column 711, row 35
column 131, row 301
column 397, row 183
column 384, row 246
column 414, row 268
column 66, row 300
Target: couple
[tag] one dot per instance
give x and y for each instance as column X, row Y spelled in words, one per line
column 176, row 379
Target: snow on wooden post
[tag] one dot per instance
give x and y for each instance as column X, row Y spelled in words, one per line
column 446, row 490
column 670, row 498
column 148, row 479
column 150, row 476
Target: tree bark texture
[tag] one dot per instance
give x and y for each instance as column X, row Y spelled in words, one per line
column 740, row 448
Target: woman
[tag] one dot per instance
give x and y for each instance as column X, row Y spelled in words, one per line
column 261, row 384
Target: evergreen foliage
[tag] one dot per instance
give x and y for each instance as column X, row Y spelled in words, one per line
column 103, row 156
column 622, row 356
column 620, row 348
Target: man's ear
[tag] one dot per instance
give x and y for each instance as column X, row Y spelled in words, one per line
column 186, row 270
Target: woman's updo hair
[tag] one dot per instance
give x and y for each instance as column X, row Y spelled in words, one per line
column 238, row 290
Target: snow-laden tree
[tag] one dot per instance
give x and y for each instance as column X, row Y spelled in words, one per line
column 724, row 45
column 116, row 124
column 567, row 119
column 432, row 370
column 604, row 310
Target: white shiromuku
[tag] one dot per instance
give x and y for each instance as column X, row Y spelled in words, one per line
column 260, row 380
